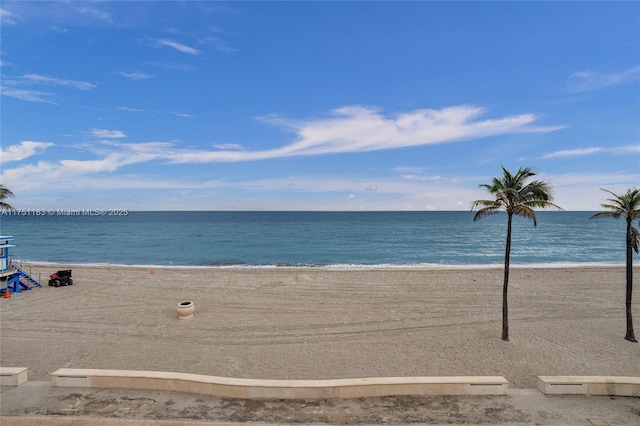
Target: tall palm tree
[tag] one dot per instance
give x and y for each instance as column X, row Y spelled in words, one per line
column 517, row 197
column 627, row 206
column 4, row 194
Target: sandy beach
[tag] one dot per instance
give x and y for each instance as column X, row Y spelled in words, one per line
column 315, row 323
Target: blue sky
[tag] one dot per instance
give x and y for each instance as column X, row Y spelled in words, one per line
column 315, row 105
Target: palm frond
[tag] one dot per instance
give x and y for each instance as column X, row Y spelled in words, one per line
column 514, row 194
column 506, row 174
column 612, row 214
column 633, row 197
column 634, row 238
column 627, row 205
column 612, row 207
column 537, row 190
column 485, row 204
column 494, row 187
column 5, row 192
column 524, row 173
column 486, row 211
column 543, row 204
column 526, row 212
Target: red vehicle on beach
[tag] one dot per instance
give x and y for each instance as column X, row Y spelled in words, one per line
column 61, row 278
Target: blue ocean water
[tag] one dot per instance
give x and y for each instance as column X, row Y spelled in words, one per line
column 314, row 238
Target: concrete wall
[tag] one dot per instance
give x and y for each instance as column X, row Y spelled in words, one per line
column 13, row 376
column 589, row 385
column 281, row 389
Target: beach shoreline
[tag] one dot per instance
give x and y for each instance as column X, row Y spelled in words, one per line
column 329, row 267
column 322, row 323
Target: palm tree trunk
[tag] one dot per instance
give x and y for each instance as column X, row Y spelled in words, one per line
column 505, row 286
column 630, row 336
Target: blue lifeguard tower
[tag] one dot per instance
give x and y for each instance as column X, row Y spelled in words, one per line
column 12, row 278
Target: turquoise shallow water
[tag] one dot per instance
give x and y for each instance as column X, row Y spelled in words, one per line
column 314, row 238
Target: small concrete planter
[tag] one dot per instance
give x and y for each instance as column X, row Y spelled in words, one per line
column 186, row 309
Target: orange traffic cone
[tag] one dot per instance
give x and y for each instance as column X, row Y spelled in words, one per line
column 6, row 294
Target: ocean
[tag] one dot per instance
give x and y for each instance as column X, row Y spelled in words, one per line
column 330, row 239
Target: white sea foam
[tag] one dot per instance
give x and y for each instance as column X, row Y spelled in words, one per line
column 551, row 265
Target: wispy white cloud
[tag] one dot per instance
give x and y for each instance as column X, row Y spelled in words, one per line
column 574, row 152
column 177, row 46
column 129, row 109
column 58, row 15
column 9, row 18
column 137, row 75
column 229, row 146
column 14, row 87
column 581, row 152
column 175, row 113
column 110, row 163
column 27, row 94
column 424, row 178
column 585, row 81
column 350, row 129
column 582, row 191
column 107, row 134
column 346, row 130
column 407, row 169
column 360, row 129
column 24, row 149
column 95, row 13
column 101, row 173
column 79, row 172
column 595, row 180
column 52, row 81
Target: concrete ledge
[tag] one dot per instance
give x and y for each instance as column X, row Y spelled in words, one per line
column 13, row 376
column 589, row 385
column 280, row 389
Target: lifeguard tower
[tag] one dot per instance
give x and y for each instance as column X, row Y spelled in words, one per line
column 12, row 278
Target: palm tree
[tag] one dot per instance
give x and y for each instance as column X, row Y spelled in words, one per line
column 627, row 206
column 517, row 197
column 5, row 193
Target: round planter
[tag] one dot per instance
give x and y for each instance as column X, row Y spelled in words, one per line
column 186, row 309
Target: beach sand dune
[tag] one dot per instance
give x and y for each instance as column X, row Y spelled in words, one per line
column 317, row 323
